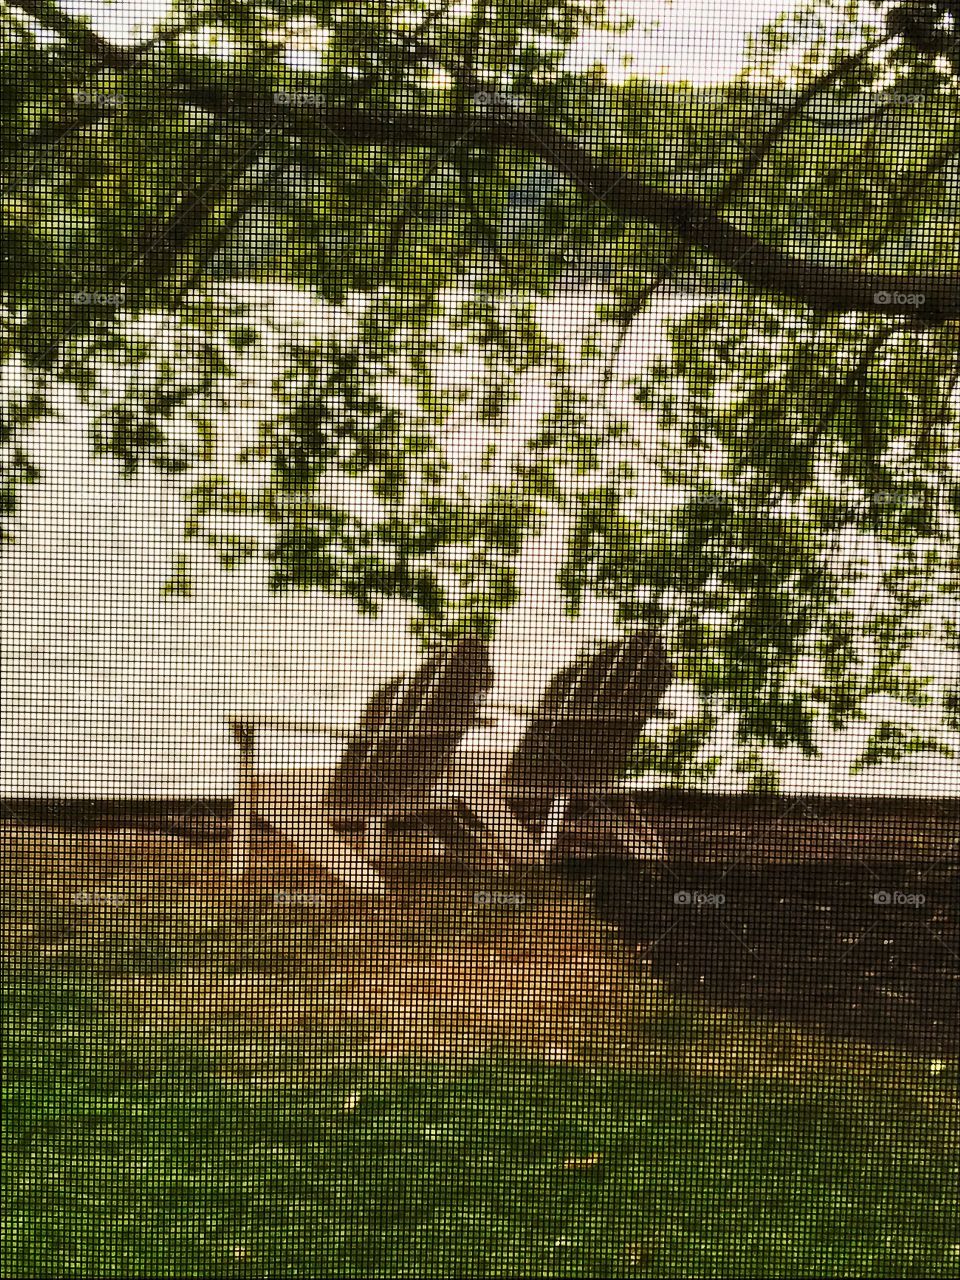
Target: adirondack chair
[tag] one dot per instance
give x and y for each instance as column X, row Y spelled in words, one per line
column 577, row 741
column 389, row 768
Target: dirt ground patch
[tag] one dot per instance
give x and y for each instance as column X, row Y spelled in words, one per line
column 715, row 963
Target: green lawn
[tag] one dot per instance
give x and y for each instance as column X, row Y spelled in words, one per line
column 148, row 1164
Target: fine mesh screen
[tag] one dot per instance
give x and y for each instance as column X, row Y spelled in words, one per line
column 480, row 638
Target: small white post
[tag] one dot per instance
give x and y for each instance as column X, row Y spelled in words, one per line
column 554, row 823
column 375, row 838
column 244, row 795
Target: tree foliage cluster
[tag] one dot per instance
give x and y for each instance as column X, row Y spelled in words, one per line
column 436, row 176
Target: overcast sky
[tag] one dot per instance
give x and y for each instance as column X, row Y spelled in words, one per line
column 697, row 40
column 112, row 688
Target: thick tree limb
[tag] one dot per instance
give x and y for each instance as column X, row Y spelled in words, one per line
column 929, row 300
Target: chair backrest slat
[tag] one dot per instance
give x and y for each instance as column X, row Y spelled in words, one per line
column 410, row 728
column 590, row 717
column 393, row 694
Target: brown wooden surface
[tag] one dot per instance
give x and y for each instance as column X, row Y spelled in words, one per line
column 404, row 744
column 589, row 718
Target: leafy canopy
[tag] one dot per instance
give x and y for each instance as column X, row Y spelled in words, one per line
column 352, row 219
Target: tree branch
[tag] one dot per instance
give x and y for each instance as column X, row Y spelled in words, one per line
column 245, row 203
column 734, row 184
column 930, row 300
column 482, row 224
column 117, row 57
column 914, row 184
column 853, row 376
column 408, row 213
column 80, row 35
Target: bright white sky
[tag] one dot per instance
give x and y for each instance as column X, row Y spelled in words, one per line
column 696, row 40
column 149, row 678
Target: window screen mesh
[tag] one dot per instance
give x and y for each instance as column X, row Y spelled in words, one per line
column 480, row 638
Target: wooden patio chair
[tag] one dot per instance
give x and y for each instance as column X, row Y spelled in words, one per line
column 578, row 739
column 389, row 768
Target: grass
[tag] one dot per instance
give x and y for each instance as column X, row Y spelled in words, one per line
column 123, row 1163
column 209, row 1083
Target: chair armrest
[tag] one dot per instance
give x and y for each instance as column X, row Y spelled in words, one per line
column 296, row 724
column 531, row 713
column 349, row 729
